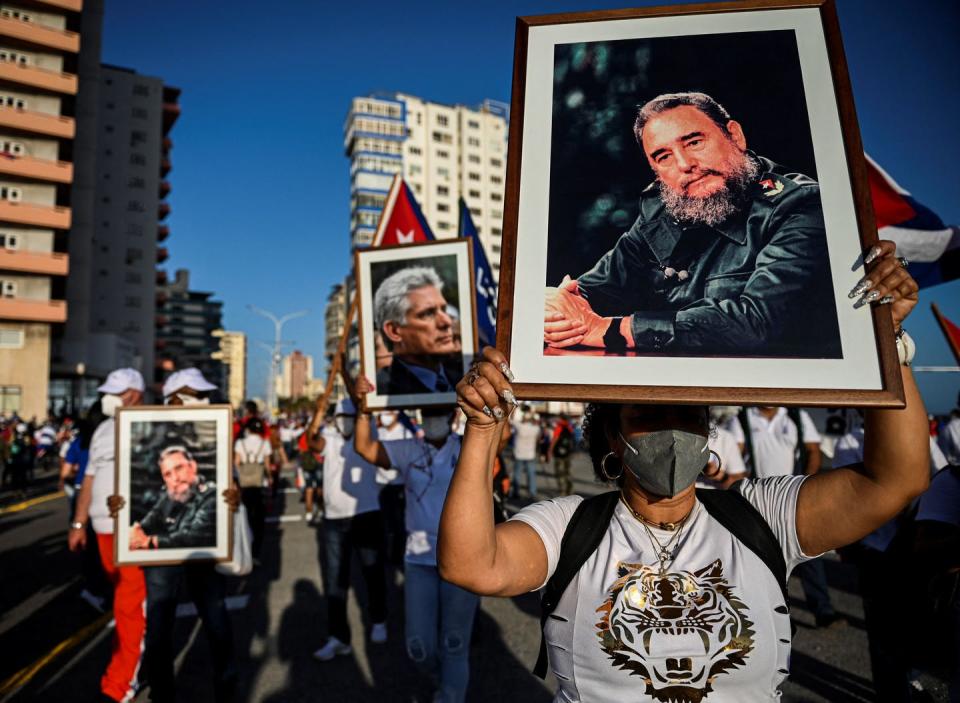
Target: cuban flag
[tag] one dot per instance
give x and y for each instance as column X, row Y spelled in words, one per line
column 931, row 247
column 401, row 221
column 483, row 279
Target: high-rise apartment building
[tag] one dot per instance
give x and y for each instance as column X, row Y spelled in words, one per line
column 296, row 372
column 233, row 355
column 39, row 58
column 444, row 152
column 186, row 323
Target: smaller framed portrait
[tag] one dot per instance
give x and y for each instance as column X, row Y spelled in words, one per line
column 418, row 328
column 173, row 464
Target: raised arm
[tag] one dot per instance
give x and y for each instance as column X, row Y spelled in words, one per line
column 503, row 560
column 841, row 506
column 364, row 442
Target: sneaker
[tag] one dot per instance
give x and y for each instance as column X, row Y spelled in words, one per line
column 332, row 648
column 830, row 621
column 378, row 633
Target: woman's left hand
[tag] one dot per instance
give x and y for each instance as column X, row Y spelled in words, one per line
column 887, row 283
column 231, row 497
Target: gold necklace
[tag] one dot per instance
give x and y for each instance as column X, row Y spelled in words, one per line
column 668, row 526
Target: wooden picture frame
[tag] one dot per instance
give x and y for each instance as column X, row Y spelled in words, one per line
column 143, row 434
column 387, row 258
column 862, row 367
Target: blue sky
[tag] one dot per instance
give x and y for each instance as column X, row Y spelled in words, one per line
column 260, row 200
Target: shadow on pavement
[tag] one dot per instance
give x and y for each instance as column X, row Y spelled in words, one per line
column 833, row 684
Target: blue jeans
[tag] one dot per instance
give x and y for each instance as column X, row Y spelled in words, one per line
column 439, row 624
column 530, row 467
column 363, row 532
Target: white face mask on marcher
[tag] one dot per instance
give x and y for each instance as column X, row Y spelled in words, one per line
column 436, row 427
column 110, row 403
column 192, row 399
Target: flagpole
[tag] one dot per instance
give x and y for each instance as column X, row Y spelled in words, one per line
column 954, row 344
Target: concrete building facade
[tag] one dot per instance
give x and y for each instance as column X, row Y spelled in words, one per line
column 39, row 58
column 296, row 372
column 233, row 355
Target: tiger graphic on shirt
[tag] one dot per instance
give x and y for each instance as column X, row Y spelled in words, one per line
column 678, row 630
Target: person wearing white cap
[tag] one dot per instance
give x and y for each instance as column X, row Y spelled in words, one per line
column 123, row 387
column 187, row 387
column 351, row 520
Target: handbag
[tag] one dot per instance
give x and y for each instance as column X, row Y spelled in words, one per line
column 241, row 561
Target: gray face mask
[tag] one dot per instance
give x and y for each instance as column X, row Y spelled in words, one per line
column 666, row 462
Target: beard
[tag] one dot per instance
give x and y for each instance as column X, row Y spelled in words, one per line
column 713, row 209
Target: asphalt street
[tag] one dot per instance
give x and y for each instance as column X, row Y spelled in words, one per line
column 56, row 645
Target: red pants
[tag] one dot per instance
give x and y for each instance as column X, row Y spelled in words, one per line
column 119, row 681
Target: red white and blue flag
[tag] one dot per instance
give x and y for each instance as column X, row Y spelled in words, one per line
column 931, row 247
column 401, row 221
column 483, row 279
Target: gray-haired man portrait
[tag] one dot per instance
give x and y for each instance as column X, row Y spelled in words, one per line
column 410, row 312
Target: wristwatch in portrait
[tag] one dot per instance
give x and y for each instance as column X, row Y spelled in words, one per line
column 77, row 525
column 613, row 339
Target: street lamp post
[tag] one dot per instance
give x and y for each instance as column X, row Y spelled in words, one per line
column 278, row 323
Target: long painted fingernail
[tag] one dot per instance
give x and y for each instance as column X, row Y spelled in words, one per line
column 505, row 370
column 498, row 413
column 885, row 300
column 868, row 298
column 509, row 397
column 487, row 411
column 863, row 285
column 872, row 255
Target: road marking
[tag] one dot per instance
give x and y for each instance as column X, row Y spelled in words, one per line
column 32, row 604
column 78, row 656
column 24, row 676
column 291, row 490
column 238, row 602
column 17, row 507
column 284, row 518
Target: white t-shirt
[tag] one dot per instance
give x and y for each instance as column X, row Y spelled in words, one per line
column 950, row 440
column 392, row 477
column 775, row 441
column 252, row 449
column 941, row 502
column 716, row 623
column 101, row 466
column 426, row 472
column 526, row 440
column 349, row 482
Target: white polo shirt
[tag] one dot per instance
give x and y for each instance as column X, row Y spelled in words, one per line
column 775, row 441
column 102, row 468
column 349, row 481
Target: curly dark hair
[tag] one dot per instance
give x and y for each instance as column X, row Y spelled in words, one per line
column 601, row 420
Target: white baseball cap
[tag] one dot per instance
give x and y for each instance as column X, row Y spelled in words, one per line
column 120, row 380
column 345, row 407
column 186, row 378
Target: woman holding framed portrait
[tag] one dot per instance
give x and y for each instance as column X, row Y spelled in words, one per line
column 684, row 589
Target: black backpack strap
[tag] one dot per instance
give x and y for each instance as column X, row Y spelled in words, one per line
column 744, row 419
column 800, row 463
column 745, row 522
column 586, row 529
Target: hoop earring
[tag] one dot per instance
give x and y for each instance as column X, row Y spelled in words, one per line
column 719, row 466
column 603, row 468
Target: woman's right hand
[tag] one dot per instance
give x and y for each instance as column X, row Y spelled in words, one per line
column 485, row 394
column 115, row 504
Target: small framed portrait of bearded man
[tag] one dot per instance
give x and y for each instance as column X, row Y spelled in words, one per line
column 687, row 211
column 173, row 464
column 418, row 329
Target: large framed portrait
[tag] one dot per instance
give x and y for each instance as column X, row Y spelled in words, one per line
column 688, row 210
column 173, row 464
column 418, row 328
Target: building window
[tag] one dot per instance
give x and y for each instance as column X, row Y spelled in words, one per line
column 496, row 197
column 14, row 57
column 137, row 137
column 108, row 128
column 8, row 289
column 140, row 113
column 441, row 138
column 135, row 206
column 131, row 301
column 16, row 15
column 443, row 207
column 141, row 89
column 476, row 212
column 496, row 163
column 11, row 339
column 134, row 255
column 134, row 230
column 473, row 176
column 473, row 158
column 443, row 120
column 10, row 193
column 495, row 248
column 443, row 190
column 138, row 160
column 12, row 148
column 496, row 179
column 443, row 172
column 415, row 151
column 473, row 193
column 133, row 277
column 11, row 101
column 441, row 154
column 443, row 226
column 473, row 141
column 496, row 231
column 496, row 214
column 10, row 398
column 136, row 182
column 473, row 124
column 9, row 241
column 415, row 170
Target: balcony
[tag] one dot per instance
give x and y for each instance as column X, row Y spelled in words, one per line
column 167, row 144
column 33, row 310
column 36, row 215
column 40, row 35
column 39, row 169
column 37, row 122
column 45, row 263
column 163, row 210
column 38, row 78
column 164, row 189
column 161, row 277
column 165, row 166
column 75, row 5
column 171, row 111
column 162, row 254
column 162, row 233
